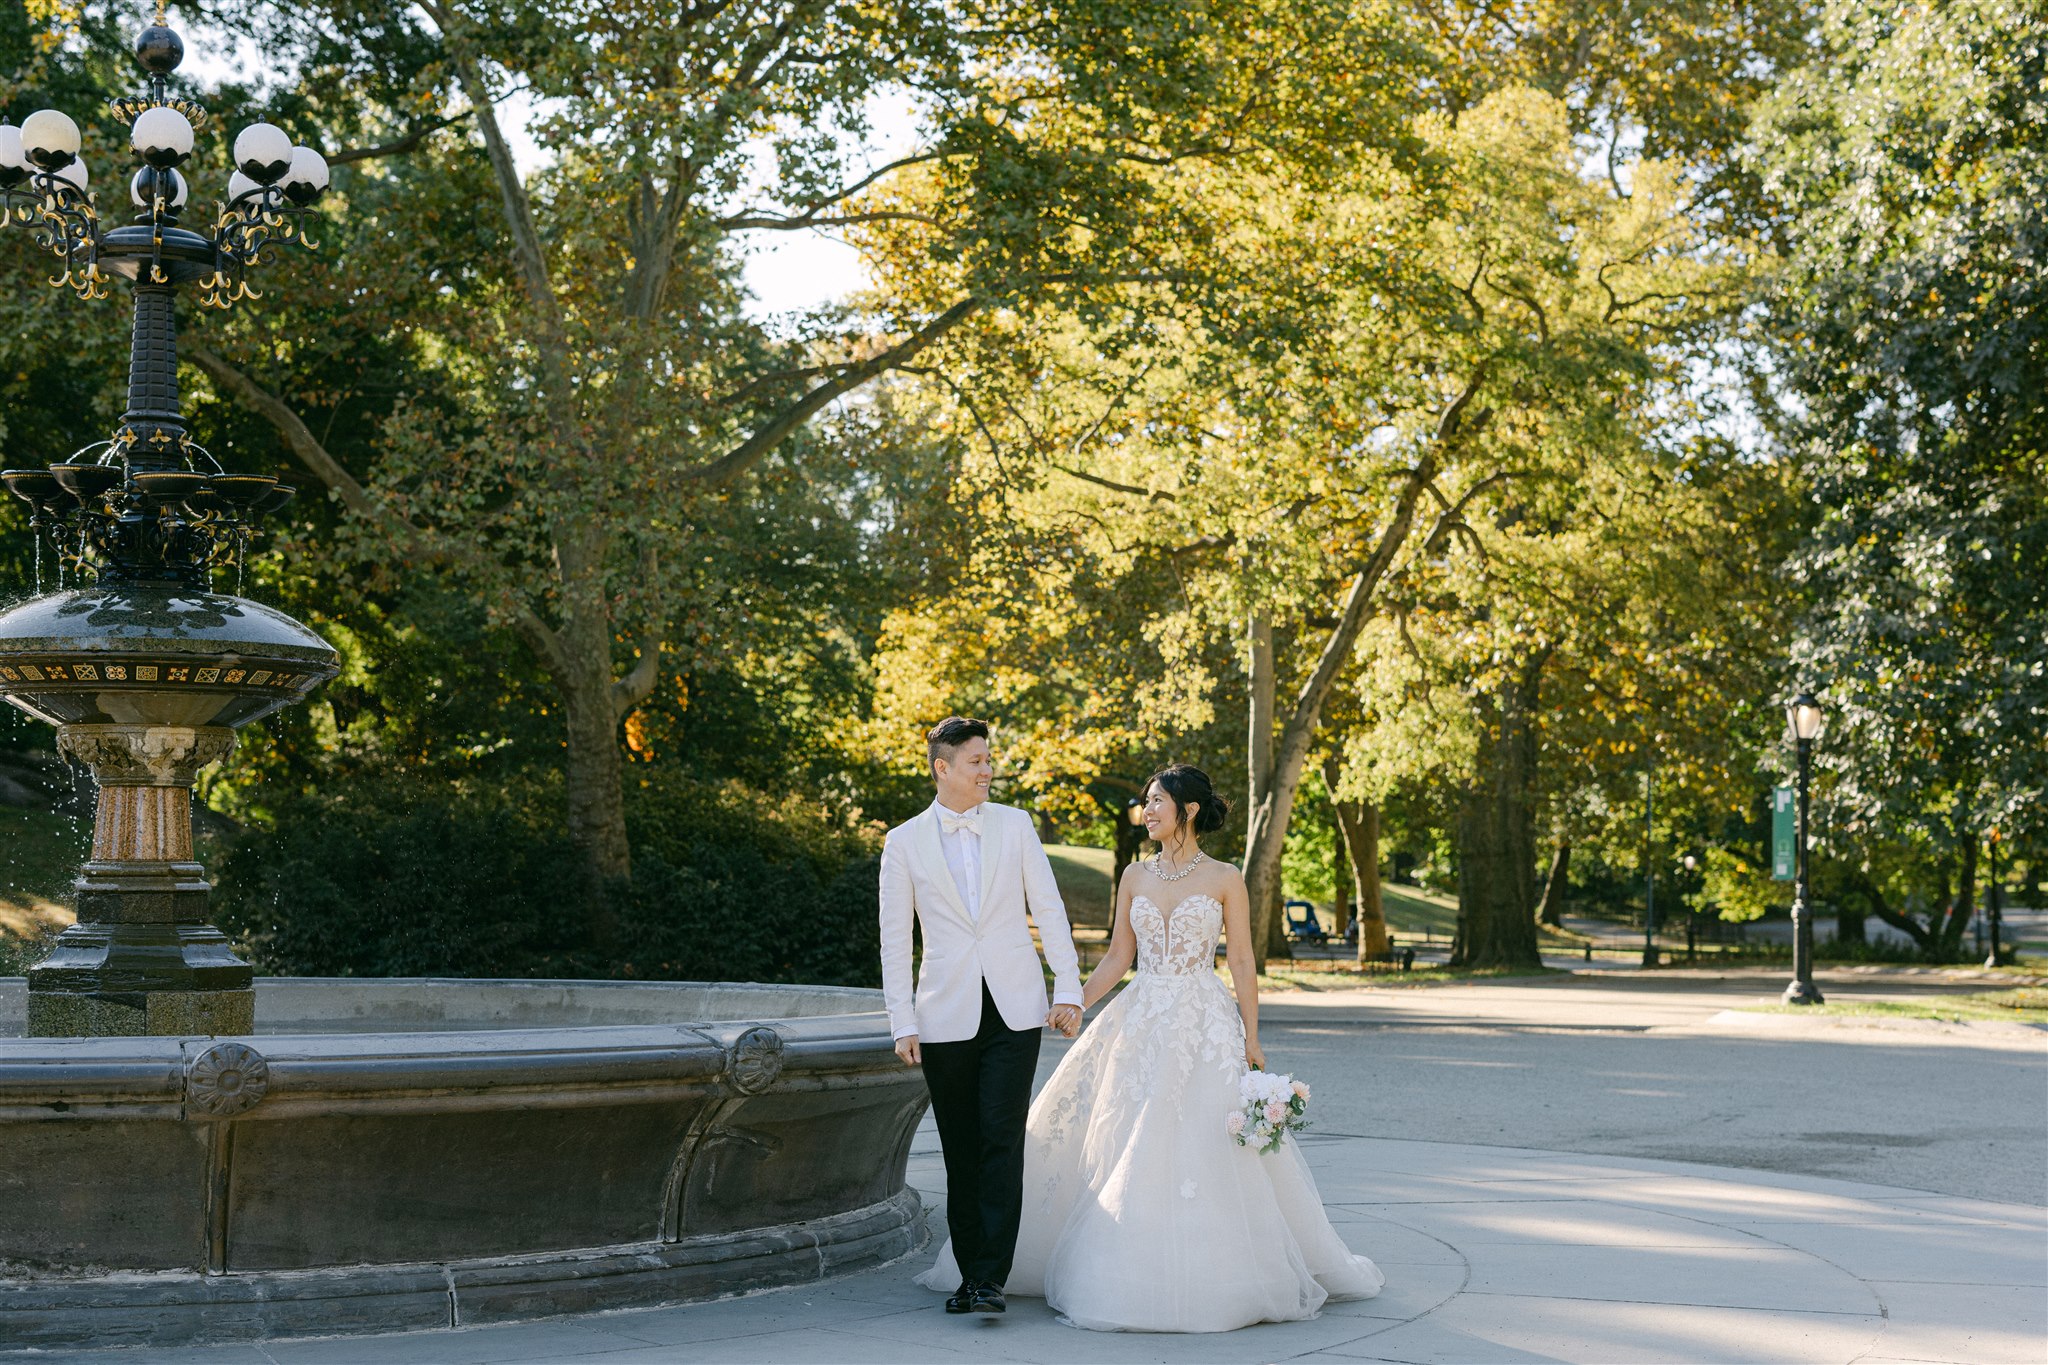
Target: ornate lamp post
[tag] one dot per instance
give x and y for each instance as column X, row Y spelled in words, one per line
column 1806, row 718
column 145, row 671
column 1130, row 837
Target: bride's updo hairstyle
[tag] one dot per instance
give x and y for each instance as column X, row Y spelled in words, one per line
column 1186, row 785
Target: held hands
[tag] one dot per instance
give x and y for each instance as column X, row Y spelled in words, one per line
column 1254, row 1055
column 1065, row 1018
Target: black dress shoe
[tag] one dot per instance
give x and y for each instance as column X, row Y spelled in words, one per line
column 988, row 1298
column 961, row 1300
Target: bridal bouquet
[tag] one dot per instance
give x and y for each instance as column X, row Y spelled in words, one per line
column 1273, row 1107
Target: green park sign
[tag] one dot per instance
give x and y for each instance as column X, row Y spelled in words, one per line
column 1784, row 835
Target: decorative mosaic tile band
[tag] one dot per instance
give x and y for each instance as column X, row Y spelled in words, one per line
column 189, row 674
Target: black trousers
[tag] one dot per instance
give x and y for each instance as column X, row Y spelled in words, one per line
column 981, row 1092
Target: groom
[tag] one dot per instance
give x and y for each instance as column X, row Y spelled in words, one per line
column 966, row 870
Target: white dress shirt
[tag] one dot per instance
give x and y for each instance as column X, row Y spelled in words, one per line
column 963, row 856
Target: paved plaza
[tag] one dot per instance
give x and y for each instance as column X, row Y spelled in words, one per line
column 1583, row 1169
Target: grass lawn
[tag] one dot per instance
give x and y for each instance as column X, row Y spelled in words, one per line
column 2026, row 1005
column 1412, row 910
column 1083, row 875
column 1282, row 976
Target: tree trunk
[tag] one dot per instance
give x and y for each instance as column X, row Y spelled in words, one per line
column 1497, row 837
column 1342, row 876
column 1937, row 914
column 1555, row 885
column 1966, row 897
column 592, row 776
column 1905, row 922
column 1359, row 824
column 1265, row 826
column 578, row 654
column 1340, row 885
column 1849, row 921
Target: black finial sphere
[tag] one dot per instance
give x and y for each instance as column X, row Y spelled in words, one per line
column 159, row 49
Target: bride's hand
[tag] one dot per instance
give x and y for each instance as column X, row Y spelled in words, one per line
column 1254, row 1055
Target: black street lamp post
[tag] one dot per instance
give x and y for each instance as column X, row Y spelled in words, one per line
column 1130, row 838
column 1806, row 719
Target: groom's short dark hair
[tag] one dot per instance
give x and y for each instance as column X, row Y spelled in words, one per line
column 944, row 739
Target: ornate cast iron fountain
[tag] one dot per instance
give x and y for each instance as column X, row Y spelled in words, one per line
column 365, row 1156
column 145, row 670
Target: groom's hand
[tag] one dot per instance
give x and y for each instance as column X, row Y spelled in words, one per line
column 906, row 1048
column 1065, row 1018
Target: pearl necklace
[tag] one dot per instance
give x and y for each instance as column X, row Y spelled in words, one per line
column 1159, row 869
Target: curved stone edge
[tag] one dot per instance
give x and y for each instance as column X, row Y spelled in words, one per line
column 164, row 1310
column 364, row 1073
column 328, row 1006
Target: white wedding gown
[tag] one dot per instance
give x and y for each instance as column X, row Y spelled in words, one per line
column 1140, row 1213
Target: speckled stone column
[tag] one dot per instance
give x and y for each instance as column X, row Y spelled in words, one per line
column 142, row 959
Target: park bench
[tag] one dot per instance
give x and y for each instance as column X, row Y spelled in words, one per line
column 1395, row 956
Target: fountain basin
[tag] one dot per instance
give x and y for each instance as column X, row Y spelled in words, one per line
column 392, row 1154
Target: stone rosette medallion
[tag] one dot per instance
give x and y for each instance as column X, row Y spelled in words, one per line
column 226, row 1080
column 755, row 1060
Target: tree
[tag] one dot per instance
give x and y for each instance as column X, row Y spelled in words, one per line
column 592, row 390
column 1912, row 160
column 1358, row 829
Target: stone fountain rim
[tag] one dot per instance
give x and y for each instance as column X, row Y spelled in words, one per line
column 300, row 1073
column 216, row 1085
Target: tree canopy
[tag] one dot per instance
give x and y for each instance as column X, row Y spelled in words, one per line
column 1437, row 419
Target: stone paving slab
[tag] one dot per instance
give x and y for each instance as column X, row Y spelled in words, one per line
column 1494, row 1327
column 1491, row 1254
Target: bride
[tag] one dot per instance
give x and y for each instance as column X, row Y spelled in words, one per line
column 1140, row 1213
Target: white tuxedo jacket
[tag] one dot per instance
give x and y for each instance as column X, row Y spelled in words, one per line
column 962, row 951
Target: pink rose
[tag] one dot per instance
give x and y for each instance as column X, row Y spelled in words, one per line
column 1233, row 1122
column 1301, row 1091
column 1275, row 1111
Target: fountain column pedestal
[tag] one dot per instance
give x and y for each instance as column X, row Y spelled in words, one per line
column 142, row 959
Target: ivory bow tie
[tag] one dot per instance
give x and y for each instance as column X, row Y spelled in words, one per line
column 953, row 824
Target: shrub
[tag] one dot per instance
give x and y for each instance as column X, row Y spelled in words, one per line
column 396, row 878
column 1885, row 950
column 729, row 884
column 414, row 878
column 733, row 915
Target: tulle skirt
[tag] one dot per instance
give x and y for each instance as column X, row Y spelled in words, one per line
column 1140, row 1213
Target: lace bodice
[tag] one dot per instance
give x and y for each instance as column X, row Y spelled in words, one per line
column 1180, row 941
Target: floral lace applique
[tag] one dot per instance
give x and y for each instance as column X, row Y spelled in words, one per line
column 1184, row 1014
